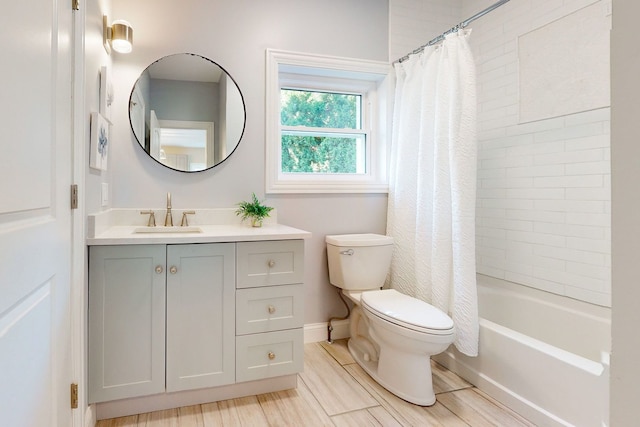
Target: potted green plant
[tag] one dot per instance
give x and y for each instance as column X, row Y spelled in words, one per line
column 253, row 210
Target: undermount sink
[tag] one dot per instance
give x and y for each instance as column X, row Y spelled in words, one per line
column 187, row 229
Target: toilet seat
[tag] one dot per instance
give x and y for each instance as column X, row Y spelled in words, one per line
column 407, row 312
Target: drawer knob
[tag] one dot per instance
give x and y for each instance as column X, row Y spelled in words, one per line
column 271, row 263
column 271, row 309
column 271, row 355
column 159, row 269
column 173, row 269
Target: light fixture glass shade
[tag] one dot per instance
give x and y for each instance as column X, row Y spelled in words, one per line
column 121, row 36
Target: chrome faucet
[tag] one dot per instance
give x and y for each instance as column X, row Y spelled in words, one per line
column 168, row 220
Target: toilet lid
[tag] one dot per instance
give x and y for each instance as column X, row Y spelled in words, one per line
column 407, row 311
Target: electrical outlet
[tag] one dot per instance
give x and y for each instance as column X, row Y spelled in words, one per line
column 105, row 194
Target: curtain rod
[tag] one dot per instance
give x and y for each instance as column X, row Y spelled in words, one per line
column 454, row 29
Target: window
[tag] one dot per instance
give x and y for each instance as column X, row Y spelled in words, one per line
column 321, row 132
column 326, row 124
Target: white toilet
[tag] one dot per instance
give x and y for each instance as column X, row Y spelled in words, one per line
column 392, row 335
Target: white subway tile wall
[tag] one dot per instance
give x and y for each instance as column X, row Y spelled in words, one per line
column 543, row 207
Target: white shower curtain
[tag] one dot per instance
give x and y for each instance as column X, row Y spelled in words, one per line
column 432, row 193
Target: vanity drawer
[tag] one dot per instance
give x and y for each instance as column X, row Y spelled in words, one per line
column 270, row 308
column 267, row 355
column 269, row 263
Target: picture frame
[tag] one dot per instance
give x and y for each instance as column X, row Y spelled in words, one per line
column 99, row 150
column 106, row 92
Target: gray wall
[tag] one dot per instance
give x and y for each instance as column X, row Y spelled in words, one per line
column 95, row 57
column 625, row 204
column 235, row 35
column 184, row 100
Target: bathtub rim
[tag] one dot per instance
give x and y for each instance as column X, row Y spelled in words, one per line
column 490, row 379
column 587, row 341
column 506, row 394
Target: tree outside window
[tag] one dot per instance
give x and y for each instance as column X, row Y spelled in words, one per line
column 321, row 132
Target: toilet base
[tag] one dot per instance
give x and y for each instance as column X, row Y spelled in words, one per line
column 422, row 380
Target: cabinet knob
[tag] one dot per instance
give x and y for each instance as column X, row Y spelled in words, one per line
column 271, row 355
column 271, row 309
column 173, row 269
column 271, row 263
column 159, row 269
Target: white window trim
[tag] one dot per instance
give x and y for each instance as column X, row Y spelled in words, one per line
column 376, row 75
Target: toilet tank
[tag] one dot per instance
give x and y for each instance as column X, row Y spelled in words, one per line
column 358, row 261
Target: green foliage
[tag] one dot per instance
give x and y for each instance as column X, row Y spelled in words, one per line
column 318, row 154
column 319, row 109
column 304, row 153
column 253, row 209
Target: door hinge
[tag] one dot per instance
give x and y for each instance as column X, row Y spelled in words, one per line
column 74, row 396
column 75, row 4
column 74, row 196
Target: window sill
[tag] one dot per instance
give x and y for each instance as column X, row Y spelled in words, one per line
column 309, row 188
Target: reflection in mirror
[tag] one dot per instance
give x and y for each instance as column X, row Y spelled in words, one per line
column 187, row 112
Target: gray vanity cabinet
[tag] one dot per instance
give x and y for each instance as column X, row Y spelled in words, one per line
column 134, row 291
column 213, row 319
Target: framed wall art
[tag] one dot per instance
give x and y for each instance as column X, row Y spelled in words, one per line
column 106, row 92
column 99, row 149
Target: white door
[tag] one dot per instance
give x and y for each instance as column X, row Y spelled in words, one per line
column 154, row 134
column 137, row 111
column 35, row 217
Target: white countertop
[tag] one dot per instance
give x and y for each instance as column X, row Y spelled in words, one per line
column 126, row 235
column 107, row 228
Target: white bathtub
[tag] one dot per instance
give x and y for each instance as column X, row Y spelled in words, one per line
column 544, row 356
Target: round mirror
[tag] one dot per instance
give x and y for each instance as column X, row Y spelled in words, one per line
column 187, row 112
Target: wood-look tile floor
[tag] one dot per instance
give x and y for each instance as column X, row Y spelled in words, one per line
column 334, row 391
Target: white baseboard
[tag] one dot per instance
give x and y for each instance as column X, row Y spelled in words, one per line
column 90, row 416
column 316, row 332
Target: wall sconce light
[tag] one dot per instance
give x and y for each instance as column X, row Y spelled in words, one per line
column 118, row 36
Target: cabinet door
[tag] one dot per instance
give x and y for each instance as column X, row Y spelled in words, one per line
column 200, row 315
column 126, row 321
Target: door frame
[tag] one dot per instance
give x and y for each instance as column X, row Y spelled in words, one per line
column 81, row 417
